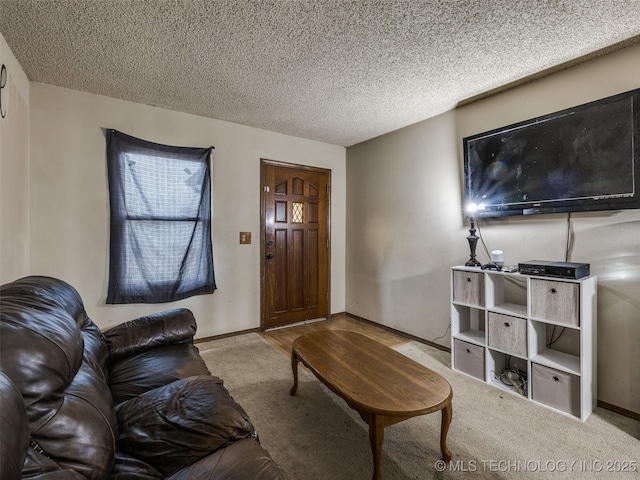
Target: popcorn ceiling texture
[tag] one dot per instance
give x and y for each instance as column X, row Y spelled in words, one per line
column 335, row 71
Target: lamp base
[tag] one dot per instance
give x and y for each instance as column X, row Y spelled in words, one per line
column 473, row 240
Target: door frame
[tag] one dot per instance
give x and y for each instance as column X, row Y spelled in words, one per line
column 263, row 164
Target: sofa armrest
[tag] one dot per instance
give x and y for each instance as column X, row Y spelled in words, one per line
column 158, row 329
column 14, row 434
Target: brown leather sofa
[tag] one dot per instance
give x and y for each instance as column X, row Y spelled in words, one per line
column 135, row 402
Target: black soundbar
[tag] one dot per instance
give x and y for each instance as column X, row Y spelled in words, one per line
column 555, row 269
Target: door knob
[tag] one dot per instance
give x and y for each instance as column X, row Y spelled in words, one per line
column 270, row 255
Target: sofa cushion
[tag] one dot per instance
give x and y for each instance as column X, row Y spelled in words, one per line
column 136, row 374
column 128, row 467
column 40, row 467
column 173, row 426
column 242, row 460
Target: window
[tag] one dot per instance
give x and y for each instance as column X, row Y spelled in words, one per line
column 160, row 200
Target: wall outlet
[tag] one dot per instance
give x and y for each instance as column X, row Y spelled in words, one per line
column 245, row 238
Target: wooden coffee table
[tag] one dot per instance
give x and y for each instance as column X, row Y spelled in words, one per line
column 382, row 385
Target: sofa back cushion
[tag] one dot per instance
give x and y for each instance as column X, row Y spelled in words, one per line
column 132, row 376
column 56, row 357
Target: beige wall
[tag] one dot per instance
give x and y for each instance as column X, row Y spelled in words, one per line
column 405, row 225
column 69, row 200
column 14, row 164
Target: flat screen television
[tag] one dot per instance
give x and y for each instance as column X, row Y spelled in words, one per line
column 580, row 159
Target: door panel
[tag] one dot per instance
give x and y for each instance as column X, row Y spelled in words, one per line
column 295, row 224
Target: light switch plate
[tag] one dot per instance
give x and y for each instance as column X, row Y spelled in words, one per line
column 245, row 238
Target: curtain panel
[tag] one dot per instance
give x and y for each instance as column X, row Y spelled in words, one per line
column 160, row 205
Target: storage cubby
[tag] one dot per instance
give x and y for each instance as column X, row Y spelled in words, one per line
column 555, row 346
column 508, row 334
column 556, row 388
column 500, row 365
column 469, row 358
column 538, row 331
column 555, row 301
column 504, row 297
column 470, row 324
column 468, row 288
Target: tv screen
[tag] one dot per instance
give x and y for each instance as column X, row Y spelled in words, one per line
column 579, row 159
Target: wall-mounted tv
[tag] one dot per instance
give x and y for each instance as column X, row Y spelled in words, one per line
column 579, row 159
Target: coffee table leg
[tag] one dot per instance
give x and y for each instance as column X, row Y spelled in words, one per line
column 294, row 367
column 376, row 437
column 447, row 413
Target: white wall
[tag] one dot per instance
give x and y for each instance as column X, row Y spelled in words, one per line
column 14, row 165
column 405, row 223
column 70, row 212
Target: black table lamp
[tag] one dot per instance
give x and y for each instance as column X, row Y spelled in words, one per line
column 472, row 238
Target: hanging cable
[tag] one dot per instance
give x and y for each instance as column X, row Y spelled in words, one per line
column 551, row 339
column 441, row 336
column 486, row 250
column 3, row 83
column 566, row 250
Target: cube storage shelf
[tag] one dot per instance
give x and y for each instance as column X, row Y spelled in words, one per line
column 541, row 327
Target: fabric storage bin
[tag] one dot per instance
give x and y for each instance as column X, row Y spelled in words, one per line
column 469, row 358
column 555, row 301
column 508, row 334
column 556, row 389
column 468, row 288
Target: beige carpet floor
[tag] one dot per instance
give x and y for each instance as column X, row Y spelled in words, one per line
column 315, row 435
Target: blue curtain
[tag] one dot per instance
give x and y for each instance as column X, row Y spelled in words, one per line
column 160, row 202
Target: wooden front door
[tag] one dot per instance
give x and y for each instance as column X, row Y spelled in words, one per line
column 295, row 243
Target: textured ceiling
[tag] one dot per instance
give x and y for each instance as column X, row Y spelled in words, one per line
column 335, row 71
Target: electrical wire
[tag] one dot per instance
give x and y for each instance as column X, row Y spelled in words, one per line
column 567, row 246
column 551, row 340
column 442, row 336
column 521, row 378
column 3, row 83
column 486, row 250
column 566, row 250
column 566, row 259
